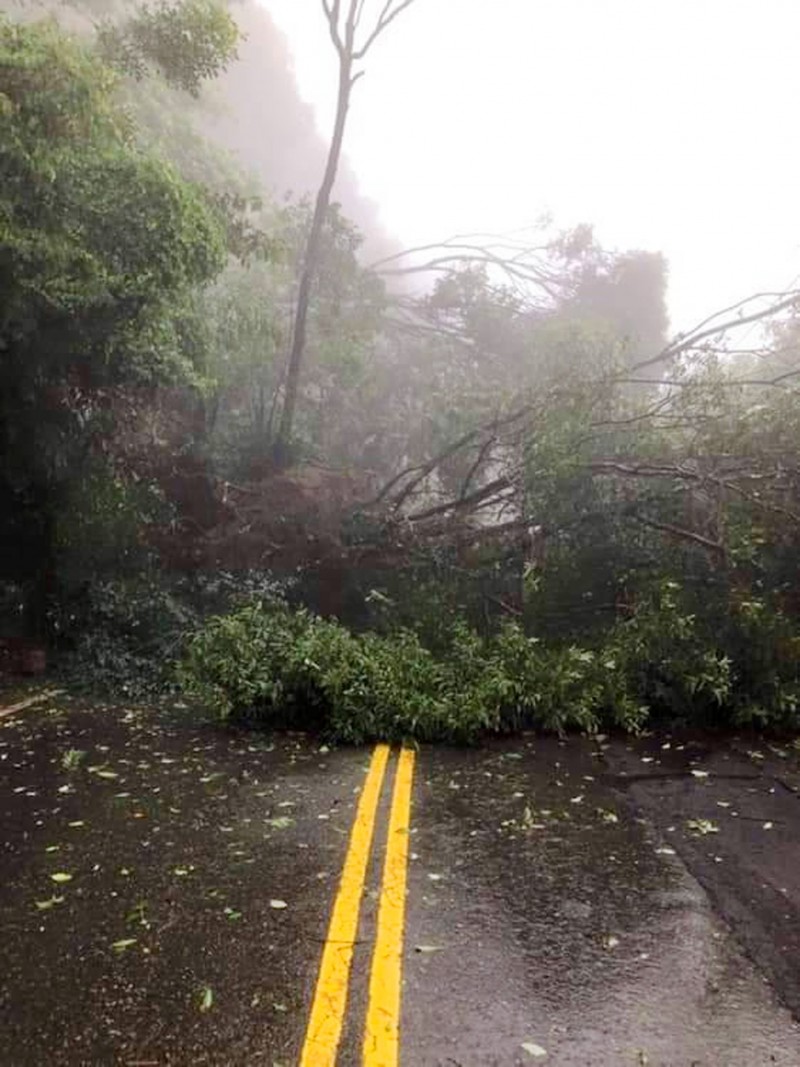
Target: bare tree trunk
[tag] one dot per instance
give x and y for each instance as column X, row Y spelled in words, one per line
column 311, row 261
column 344, row 24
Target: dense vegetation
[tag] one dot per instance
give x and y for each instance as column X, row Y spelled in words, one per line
column 508, row 498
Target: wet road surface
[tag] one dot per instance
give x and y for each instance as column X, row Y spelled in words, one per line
column 167, row 889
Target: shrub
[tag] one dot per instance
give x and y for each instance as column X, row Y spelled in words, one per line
column 662, row 659
column 284, row 666
column 764, row 647
column 291, row 667
column 120, row 636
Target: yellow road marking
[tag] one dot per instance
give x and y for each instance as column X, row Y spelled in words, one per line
column 330, row 998
column 382, row 1034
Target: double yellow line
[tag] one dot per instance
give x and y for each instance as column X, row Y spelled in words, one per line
column 382, row 1031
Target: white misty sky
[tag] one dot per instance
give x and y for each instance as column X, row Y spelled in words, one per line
column 667, row 124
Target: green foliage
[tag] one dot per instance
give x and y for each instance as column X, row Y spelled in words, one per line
column 189, row 42
column 281, row 666
column 100, row 249
column 764, row 646
column 98, row 243
column 278, row 666
column 90, row 228
column 98, row 529
column 667, row 660
column 120, row 636
column 247, row 311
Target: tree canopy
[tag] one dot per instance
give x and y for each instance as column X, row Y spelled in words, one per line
column 100, row 247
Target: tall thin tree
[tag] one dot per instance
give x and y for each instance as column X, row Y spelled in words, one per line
column 352, row 39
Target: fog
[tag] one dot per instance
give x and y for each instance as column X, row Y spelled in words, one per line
column 665, row 125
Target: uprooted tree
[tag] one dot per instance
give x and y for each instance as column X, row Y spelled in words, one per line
column 608, row 544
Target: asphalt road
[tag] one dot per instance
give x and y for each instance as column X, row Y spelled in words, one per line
column 173, row 893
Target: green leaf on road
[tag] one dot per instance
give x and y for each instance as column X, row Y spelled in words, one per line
column 60, row 877
column 120, row 946
column 280, row 822
column 72, row 758
column 102, row 772
column 702, row 826
column 206, row 999
column 45, row 905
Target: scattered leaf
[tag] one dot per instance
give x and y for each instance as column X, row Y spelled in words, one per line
column 45, row 905
column 280, row 822
column 139, row 914
column 702, row 826
column 279, row 905
column 608, row 816
column 120, row 946
column 533, row 1049
column 60, row 877
column 206, row 999
column 72, row 758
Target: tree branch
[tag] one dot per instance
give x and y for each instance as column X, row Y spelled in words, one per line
column 684, row 535
column 386, row 18
column 485, row 447
column 686, row 342
column 461, row 505
column 332, row 10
